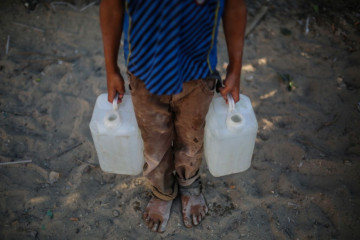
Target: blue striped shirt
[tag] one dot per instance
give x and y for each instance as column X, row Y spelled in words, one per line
column 169, row 42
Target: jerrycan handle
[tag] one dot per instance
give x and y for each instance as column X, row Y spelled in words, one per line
column 115, row 105
column 234, row 119
column 112, row 119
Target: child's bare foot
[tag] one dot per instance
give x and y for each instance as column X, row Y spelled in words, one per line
column 157, row 214
column 194, row 207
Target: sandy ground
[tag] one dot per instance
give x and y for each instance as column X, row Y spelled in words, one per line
column 304, row 179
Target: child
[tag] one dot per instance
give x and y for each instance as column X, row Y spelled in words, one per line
column 170, row 52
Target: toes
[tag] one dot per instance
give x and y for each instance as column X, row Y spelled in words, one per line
column 195, row 221
column 187, row 222
column 147, row 219
column 155, row 227
column 199, row 218
column 150, row 224
column 162, row 226
column 145, row 215
column 202, row 214
column 206, row 210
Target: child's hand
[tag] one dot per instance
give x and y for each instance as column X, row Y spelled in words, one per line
column 115, row 84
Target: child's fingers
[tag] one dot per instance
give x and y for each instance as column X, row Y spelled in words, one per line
column 120, row 96
column 224, row 91
column 111, row 95
column 235, row 95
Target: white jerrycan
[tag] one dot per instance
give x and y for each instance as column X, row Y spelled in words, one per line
column 230, row 134
column 116, row 136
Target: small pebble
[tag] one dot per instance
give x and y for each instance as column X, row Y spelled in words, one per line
column 53, row 176
column 249, row 78
column 115, row 213
column 340, row 82
column 348, row 163
column 209, row 183
column 34, row 234
column 138, row 182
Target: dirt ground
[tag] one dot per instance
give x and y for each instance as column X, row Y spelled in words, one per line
column 301, row 71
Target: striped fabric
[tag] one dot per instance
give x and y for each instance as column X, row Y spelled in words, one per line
column 168, row 42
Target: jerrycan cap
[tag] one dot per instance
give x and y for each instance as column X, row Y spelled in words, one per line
column 112, row 119
column 234, row 119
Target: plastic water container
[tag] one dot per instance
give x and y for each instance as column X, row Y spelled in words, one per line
column 116, row 136
column 230, row 134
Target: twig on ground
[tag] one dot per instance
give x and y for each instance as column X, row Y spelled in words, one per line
column 15, row 162
column 326, row 124
column 69, row 58
column 307, row 25
column 256, row 20
column 87, row 163
column 87, row 6
column 52, row 4
column 69, row 149
column 27, row 26
column 7, row 45
column 13, row 113
column 319, row 148
column 46, row 59
column 39, row 170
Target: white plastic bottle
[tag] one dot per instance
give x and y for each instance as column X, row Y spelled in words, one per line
column 116, row 136
column 230, row 134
